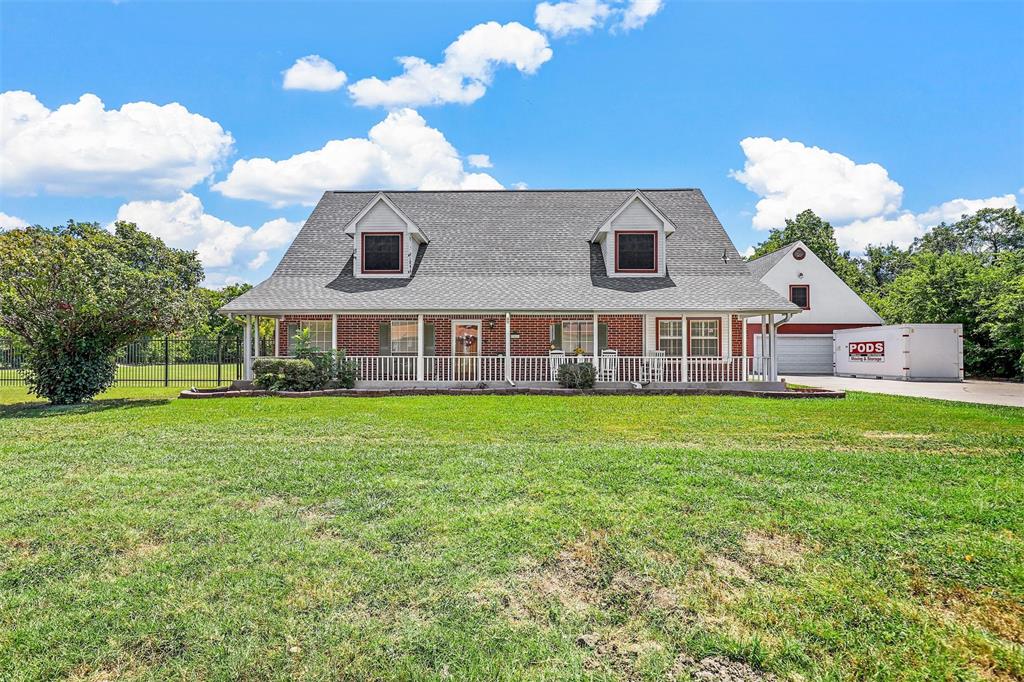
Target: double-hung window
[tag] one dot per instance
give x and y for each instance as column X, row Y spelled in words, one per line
column 670, row 337
column 577, row 334
column 403, row 337
column 319, row 334
column 705, row 338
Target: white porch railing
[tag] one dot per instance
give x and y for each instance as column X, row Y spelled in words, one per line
column 527, row 369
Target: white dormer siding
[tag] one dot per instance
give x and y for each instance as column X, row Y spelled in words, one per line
column 635, row 216
column 382, row 216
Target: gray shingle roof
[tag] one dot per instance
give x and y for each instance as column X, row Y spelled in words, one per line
column 514, row 251
column 759, row 267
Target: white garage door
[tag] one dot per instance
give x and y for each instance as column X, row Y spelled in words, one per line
column 802, row 353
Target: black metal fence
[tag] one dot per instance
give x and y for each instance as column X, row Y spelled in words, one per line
column 168, row 361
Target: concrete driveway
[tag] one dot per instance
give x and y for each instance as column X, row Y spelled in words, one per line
column 970, row 391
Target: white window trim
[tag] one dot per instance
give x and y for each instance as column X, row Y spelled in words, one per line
column 391, row 336
column 717, row 337
column 572, row 351
column 480, row 338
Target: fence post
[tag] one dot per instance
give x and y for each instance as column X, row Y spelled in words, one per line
column 219, row 361
column 167, row 361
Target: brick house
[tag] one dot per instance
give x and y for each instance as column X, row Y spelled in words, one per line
column 504, row 286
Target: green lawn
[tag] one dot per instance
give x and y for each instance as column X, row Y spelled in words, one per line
column 494, row 537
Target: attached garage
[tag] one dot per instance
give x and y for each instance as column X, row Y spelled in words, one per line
column 802, row 353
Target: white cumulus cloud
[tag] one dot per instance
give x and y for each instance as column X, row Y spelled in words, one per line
column 584, row 16
column 903, row 228
column 955, row 209
column 562, row 18
column 313, row 72
column 86, row 149
column 859, row 199
column 11, row 222
column 479, row 161
column 400, row 152
column 466, row 72
column 259, row 261
column 183, row 223
column 791, row 177
column 637, row 12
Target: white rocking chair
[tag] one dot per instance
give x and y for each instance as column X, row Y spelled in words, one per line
column 556, row 358
column 609, row 364
column 654, row 367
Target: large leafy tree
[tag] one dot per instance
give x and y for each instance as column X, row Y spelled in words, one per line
column 819, row 236
column 76, row 293
column 989, row 231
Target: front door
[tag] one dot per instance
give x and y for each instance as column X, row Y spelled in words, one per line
column 466, row 349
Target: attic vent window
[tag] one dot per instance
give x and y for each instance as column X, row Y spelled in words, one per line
column 636, row 251
column 382, row 253
column 799, row 253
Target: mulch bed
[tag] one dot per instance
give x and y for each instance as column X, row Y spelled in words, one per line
column 790, row 393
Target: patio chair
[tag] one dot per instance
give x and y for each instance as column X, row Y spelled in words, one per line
column 609, row 364
column 556, row 358
column 654, row 367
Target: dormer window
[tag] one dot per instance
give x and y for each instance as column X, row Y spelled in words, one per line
column 382, row 253
column 636, row 251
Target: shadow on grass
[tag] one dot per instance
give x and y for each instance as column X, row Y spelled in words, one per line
column 37, row 409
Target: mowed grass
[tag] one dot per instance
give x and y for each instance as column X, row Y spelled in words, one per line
column 491, row 537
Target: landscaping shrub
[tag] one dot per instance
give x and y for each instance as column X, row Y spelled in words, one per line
column 286, row 374
column 577, row 375
column 348, row 371
column 67, row 373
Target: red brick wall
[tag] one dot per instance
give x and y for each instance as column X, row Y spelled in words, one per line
column 737, row 335
column 358, row 334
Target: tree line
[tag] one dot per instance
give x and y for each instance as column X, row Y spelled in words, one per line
column 970, row 272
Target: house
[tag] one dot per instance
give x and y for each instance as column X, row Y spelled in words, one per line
column 448, row 287
column 827, row 303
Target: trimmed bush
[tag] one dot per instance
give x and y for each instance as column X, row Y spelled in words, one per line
column 286, row 374
column 348, row 371
column 577, row 375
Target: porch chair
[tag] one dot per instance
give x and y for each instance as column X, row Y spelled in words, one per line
column 654, row 367
column 556, row 358
column 609, row 365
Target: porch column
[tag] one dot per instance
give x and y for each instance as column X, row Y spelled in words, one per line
column 256, row 337
column 419, row 347
column 686, row 347
column 247, row 349
column 508, row 347
column 596, row 337
column 775, row 353
column 334, row 332
column 277, row 336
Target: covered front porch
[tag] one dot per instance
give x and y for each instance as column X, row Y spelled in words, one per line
column 655, row 349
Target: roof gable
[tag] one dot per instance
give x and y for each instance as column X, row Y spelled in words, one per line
column 411, row 227
column 667, row 226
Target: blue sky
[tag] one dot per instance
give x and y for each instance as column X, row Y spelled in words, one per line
column 884, row 117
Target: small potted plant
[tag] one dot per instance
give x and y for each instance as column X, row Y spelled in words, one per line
column 579, row 351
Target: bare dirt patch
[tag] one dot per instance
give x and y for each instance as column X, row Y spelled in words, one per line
column 717, row 668
column 888, row 435
column 996, row 614
column 730, row 570
column 774, row 549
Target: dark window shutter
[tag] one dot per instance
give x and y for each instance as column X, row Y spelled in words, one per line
column 429, row 340
column 602, row 336
column 556, row 335
column 384, row 334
